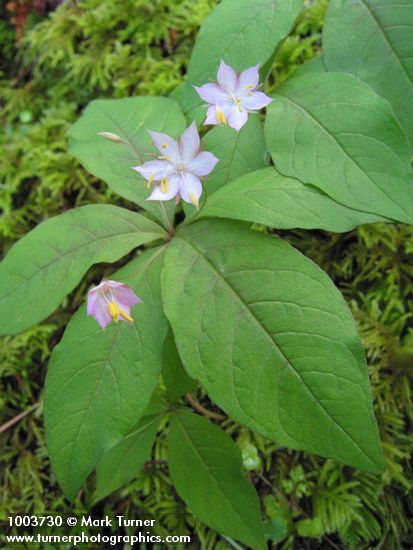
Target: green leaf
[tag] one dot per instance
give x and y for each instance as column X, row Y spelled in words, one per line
column 250, row 457
column 124, row 460
column 197, row 111
column 274, row 509
column 238, row 152
column 280, row 524
column 332, row 131
column 271, row 340
column 310, row 527
column 276, row 530
column 98, row 382
column 243, row 33
column 177, row 382
column 372, row 39
column 312, row 66
column 48, row 262
column 206, row 469
column 267, row 197
column 130, row 119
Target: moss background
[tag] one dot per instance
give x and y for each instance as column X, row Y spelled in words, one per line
column 81, row 50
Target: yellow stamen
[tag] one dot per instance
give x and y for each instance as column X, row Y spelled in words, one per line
column 164, row 185
column 164, row 157
column 249, row 93
column 150, row 181
column 250, row 87
column 164, row 146
column 126, row 316
column 194, row 200
column 221, row 117
column 113, row 310
column 239, row 104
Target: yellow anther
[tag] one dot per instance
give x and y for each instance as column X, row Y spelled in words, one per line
column 164, row 185
column 150, row 181
column 249, row 93
column 164, row 157
column 164, row 146
column 250, row 87
column 194, row 200
column 221, row 117
column 113, row 310
column 126, row 316
column 239, row 104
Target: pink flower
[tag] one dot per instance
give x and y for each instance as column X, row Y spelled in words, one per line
column 179, row 168
column 233, row 97
column 111, row 300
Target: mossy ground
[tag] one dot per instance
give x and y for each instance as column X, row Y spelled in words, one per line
column 100, row 48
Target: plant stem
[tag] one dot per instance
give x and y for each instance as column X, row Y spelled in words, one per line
column 17, row 418
column 167, row 223
column 135, row 151
column 205, row 412
column 231, row 542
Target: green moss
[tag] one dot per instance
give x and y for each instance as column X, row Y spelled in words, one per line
column 101, row 48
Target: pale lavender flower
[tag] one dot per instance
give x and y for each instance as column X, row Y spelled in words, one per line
column 233, row 97
column 178, row 170
column 111, row 300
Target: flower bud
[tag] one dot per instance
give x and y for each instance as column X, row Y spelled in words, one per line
column 111, row 137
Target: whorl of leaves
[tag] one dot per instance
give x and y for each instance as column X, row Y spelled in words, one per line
column 102, row 51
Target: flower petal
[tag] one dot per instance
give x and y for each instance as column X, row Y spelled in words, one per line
column 124, row 294
column 257, row 100
column 110, row 291
column 166, row 145
column 102, row 315
column 202, row 164
column 190, row 188
column 174, row 185
column 211, row 93
column 112, row 285
column 189, row 143
column 157, row 168
column 211, row 117
column 92, row 300
column 128, row 298
column 248, row 80
column 97, row 308
column 227, row 77
column 236, row 118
